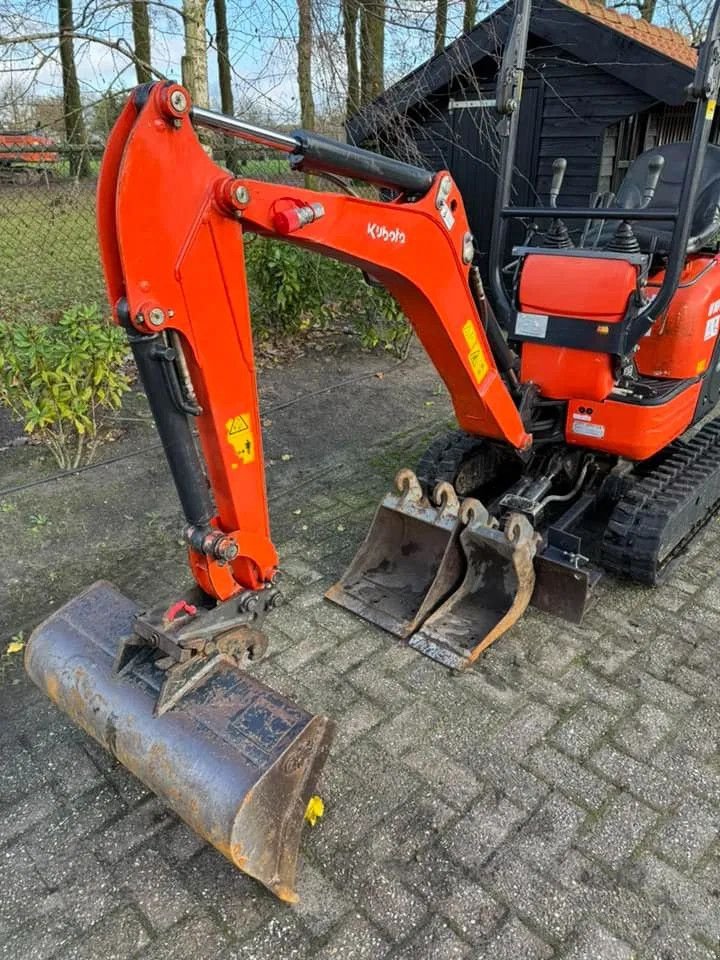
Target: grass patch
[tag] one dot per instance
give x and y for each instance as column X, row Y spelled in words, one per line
column 48, row 248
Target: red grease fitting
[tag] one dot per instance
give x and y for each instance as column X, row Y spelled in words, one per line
column 182, row 606
column 296, row 217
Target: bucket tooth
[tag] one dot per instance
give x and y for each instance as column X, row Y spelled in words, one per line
column 495, row 591
column 409, row 561
column 234, row 758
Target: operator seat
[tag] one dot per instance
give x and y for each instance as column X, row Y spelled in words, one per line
column 706, row 215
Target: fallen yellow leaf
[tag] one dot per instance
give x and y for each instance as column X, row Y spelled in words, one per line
column 15, row 646
column 314, row 810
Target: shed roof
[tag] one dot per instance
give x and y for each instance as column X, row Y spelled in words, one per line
column 655, row 60
column 666, row 41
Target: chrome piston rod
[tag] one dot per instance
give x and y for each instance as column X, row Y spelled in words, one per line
column 244, row 131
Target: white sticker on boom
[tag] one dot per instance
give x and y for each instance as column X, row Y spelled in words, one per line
column 588, row 429
column 712, row 327
column 531, row 325
column 447, row 215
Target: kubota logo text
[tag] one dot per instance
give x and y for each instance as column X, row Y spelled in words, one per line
column 378, row 232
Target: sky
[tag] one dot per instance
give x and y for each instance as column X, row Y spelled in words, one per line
column 262, row 48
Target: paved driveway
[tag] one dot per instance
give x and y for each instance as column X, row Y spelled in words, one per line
column 562, row 800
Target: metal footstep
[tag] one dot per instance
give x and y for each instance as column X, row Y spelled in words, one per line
column 234, row 758
column 495, row 591
column 409, row 562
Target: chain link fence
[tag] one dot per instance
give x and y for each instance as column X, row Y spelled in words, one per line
column 50, row 264
column 49, row 256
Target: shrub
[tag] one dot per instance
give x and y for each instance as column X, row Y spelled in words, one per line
column 292, row 288
column 286, row 285
column 61, row 378
column 380, row 321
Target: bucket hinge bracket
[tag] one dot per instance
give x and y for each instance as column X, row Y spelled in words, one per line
column 188, row 638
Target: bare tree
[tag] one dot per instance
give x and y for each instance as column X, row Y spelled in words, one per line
column 469, row 15
column 350, row 29
column 304, row 64
column 194, row 62
column 227, row 102
column 74, row 120
column 689, row 17
column 141, row 40
column 372, row 49
column 16, row 110
column 441, row 15
column 647, row 9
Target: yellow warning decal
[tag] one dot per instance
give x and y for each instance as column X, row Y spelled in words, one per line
column 476, row 354
column 240, row 437
column 710, row 112
column 478, row 363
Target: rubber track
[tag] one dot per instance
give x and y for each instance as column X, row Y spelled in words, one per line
column 675, row 494
column 444, row 457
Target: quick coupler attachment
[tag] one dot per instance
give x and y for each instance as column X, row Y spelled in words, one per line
column 408, row 563
column 495, row 591
column 236, row 760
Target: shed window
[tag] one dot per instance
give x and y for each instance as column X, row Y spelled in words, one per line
column 633, row 135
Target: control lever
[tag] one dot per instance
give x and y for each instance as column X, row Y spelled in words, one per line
column 655, row 165
column 557, row 235
column 595, row 201
column 624, row 240
column 605, row 201
column 559, row 167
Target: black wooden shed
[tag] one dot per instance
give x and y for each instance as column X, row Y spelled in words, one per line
column 600, row 87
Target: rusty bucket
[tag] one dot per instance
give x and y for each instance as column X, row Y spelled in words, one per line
column 235, row 759
column 495, row 591
column 409, row 561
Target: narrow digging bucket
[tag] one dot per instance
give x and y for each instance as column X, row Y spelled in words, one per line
column 236, row 760
column 495, row 592
column 409, row 561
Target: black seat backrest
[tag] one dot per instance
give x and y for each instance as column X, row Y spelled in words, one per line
column 706, row 215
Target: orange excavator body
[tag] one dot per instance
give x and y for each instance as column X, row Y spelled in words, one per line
column 572, row 392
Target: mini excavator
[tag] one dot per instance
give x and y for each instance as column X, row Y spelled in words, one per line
column 584, row 386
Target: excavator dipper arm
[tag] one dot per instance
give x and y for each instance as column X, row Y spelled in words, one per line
column 171, row 225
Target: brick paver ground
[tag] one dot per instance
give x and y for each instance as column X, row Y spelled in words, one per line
column 562, row 800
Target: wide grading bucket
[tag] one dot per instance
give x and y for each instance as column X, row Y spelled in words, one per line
column 234, row 758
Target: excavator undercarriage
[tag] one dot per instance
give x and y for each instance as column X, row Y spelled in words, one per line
column 583, row 384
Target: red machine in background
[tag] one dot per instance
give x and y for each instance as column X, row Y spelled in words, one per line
column 581, row 385
column 26, row 151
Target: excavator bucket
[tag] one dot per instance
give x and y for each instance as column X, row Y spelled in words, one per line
column 409, row 561
column 495, row 591
column 235, row 759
